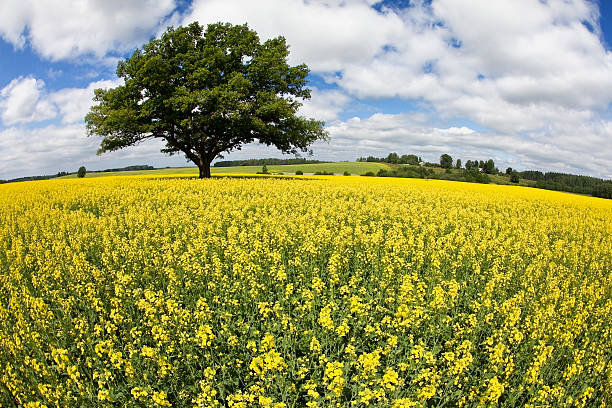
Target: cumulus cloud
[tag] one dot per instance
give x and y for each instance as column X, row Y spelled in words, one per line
column 66, row 29
column 74, row 103
column 324, row 104
column 25, row 100
column 324, row 34
column 21, row 102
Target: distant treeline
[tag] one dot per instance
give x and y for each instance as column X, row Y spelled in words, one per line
column 570, row 182
column 393, row 158
column 472, row 175
column 65, row 173
column 128, row 168
column 29, row 178
column 268, row 162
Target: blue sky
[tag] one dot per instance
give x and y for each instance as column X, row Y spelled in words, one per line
column 525, row 82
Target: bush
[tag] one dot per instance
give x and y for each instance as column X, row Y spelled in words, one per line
column 369, row 174
column 346, row 173
column 514, row 177
column 299, row 173
column 81, row 172
column 475, row 176
column 323, row 173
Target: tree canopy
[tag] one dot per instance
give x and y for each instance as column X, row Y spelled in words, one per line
column 446, row 161
column 205, row 93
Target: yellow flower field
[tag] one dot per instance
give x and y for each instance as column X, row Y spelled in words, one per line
column 309, row 292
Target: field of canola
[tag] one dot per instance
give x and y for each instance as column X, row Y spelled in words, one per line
column 322, row 292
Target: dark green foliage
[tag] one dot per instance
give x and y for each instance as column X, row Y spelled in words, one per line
column 489, row 167
column 131, row 168
column 31, row 178
column 603, row 190
column 509, row 171
column 270, row 161
column 370, row 159
column 474, row 175
column 206, row 92
column 81, row 172
column 533, row 175
column 446, row 161
column 568, row 182
column 346, row 173
column 323, row 173
column 392, row 158
column 407, row 172
column 458, row 164
column 370, row 174
column 514, row 177
column 571, row 183
column 299, row 173
column 264, row 170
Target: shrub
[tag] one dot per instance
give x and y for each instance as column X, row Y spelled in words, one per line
column 514, row 177
column 299, row 173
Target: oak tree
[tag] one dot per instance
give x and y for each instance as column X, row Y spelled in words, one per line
column 206, row 92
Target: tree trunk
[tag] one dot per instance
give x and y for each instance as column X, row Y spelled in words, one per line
column 204, row 167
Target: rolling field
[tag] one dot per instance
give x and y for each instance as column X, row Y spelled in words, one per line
column 336, row 167
column 309, row 292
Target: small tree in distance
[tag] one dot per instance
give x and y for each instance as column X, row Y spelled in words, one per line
column 81, row 172
column 514, row 177
column 205, row 93
column 489, row 166
column 446, row 161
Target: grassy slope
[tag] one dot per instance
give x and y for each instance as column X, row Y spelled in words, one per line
column 336, row 168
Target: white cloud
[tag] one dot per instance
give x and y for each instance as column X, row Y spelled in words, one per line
column 324, row 104
column 24, row 100
column 66, row 29
column 324, row 34
column 21, row 102
column 74, row 103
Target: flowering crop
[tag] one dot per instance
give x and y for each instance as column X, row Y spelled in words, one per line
column 320, row 292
